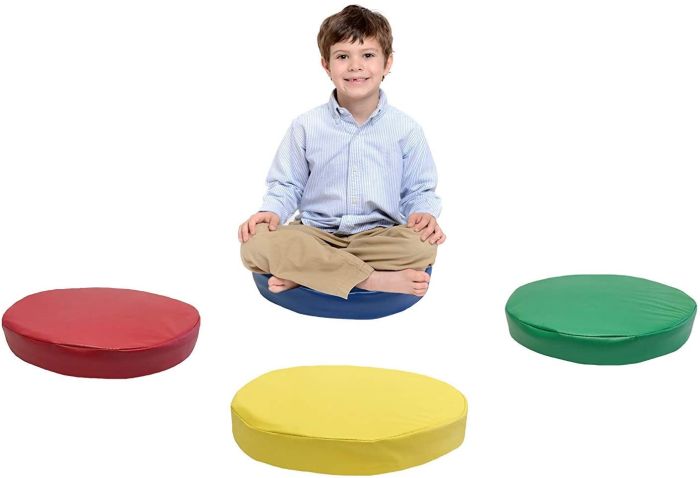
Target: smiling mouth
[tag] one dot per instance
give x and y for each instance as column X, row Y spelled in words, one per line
column 356, row 80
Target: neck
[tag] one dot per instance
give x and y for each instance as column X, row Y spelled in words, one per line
column 360, row 109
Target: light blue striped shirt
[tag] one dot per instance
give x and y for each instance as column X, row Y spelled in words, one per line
column 344, row 178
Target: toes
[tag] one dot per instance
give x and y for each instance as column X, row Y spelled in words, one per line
column 420, row 276
column 273, row 281
column 420, row 285
column 414, row 275
column 278, row 288
column 276, row 281
column 420, row 288
column 275, row 284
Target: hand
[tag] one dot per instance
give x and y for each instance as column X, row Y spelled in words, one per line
column 247, row 229
column 423, row 221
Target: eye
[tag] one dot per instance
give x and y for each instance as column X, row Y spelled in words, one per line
column 342, row 56
column 369, row 55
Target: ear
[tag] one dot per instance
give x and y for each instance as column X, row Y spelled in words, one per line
column 324, row 64
column 387, row 65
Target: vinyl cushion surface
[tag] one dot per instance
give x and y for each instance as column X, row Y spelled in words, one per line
column 347, row 420
column 101, row 332
column 600, row 319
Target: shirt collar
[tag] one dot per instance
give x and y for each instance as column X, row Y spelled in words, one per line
column 338, row 111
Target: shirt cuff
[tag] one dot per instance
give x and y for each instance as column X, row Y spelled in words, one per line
column 433, row 209
column 273, row 206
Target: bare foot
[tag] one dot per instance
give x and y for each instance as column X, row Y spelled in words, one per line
column 407, row 281
column 275, row 284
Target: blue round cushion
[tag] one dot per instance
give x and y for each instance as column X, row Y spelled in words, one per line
column 360, row 304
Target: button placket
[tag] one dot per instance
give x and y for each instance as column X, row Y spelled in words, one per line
column 354, row 172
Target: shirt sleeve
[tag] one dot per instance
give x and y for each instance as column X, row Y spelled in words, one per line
column 288, row 175
column 419, row 178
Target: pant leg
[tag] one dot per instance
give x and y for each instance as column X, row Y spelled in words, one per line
column 305, row 255
column 392, row 249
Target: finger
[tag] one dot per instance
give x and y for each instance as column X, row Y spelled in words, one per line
column 430, row 228
column 411, row 220
column 244, row 232
column 251, row 224
column 274, row 221
column 424, row 221
column 421, row 222
column 442, row 239
column 436, row 235
column 240, row 238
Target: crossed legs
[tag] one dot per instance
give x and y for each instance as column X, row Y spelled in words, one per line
column 384, row 259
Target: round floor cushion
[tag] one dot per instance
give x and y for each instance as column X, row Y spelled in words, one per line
column 600, row 319
column 360, row 304
column 347, row 420
column 101, row 332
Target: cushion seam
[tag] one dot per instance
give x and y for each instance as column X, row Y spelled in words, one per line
column 656, row 332
column 92, row 347
column 359, row 440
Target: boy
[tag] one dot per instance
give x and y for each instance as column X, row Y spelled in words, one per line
column 355, row 168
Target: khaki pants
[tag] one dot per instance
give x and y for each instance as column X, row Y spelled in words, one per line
column 334, row 264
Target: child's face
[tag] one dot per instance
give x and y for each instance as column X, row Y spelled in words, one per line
column 357, row 69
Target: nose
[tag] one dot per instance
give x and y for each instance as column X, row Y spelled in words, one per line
column 355, row 64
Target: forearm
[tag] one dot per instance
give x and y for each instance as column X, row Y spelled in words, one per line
column 282, row 199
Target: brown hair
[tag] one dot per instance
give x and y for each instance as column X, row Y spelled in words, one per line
column 354, row 23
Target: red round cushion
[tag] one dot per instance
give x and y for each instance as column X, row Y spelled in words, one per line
column 100, row 332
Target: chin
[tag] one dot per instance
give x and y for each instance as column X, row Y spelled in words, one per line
column 360, row 93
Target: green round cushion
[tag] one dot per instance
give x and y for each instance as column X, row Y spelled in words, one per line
column 600, row 319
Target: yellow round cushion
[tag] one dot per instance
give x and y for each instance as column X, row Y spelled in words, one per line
column 347, row 420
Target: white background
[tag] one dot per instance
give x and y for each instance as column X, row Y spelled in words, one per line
column 135, row 136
